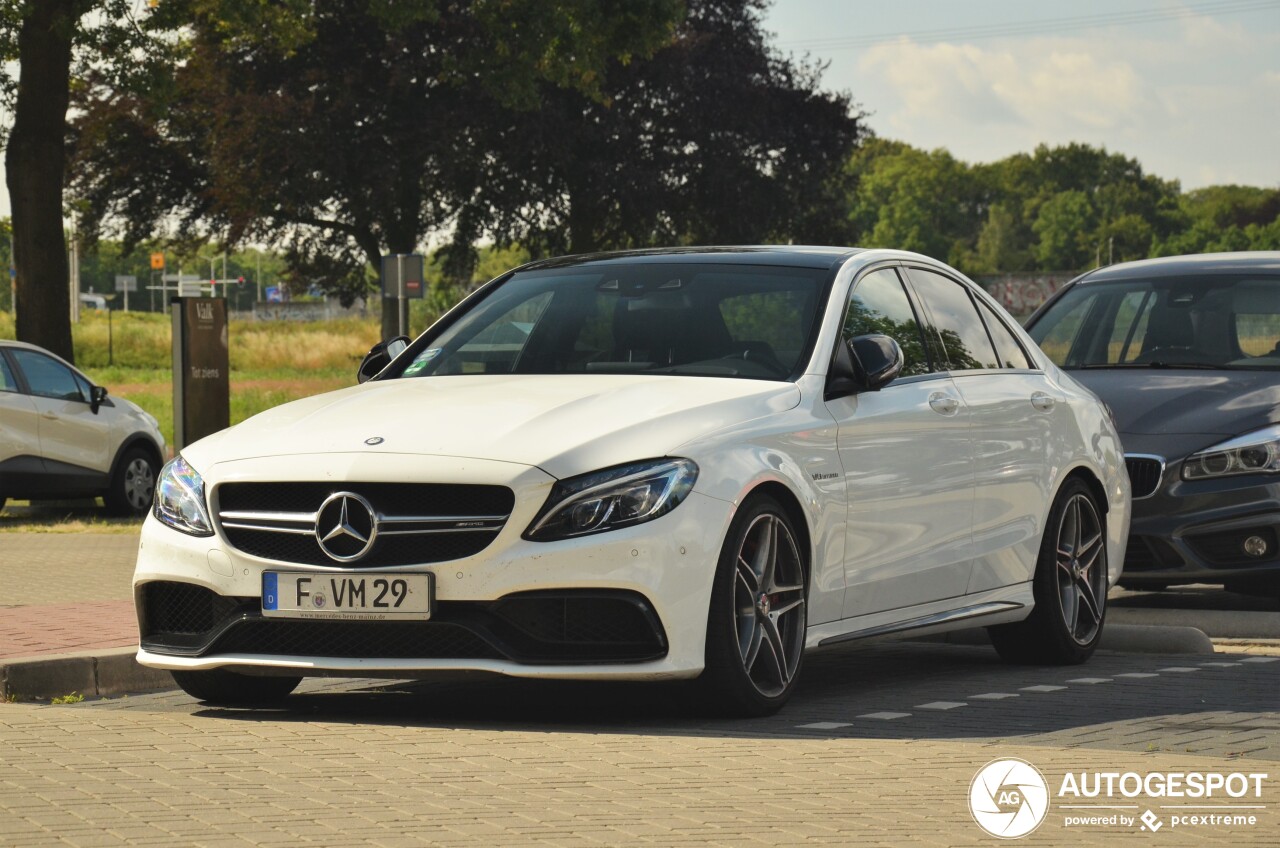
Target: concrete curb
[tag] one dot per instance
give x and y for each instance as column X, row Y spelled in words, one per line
column 94, row 674
column 1121, row 638
column 1224, row 624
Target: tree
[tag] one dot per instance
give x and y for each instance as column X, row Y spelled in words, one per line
column 1065, row 224
column 343, row 130
column 910, row 199
column 716, row 139
column 46, row 37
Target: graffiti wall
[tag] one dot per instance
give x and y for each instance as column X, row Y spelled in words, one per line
column 1022, row 294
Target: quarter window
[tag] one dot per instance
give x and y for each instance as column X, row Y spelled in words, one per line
column 47, row 377
column 1011, row 353
column 879, row 304
column 963, row 336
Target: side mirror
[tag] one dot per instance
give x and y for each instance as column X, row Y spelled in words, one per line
column 380, row 356
column 97, row 396
column 879, row 358
column 865, row 364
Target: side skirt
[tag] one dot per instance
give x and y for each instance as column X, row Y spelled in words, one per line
column 998, row 606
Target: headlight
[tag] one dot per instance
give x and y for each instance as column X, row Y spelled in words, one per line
column 613, row 498
column 180, row 499
column 1253, row 453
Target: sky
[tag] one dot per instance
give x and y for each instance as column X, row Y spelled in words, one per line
column 1190, row 88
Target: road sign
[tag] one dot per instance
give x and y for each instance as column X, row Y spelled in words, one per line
column 157, row 262
column 126, row 283
column 402, row 275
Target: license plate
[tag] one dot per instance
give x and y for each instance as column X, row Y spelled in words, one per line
column 375, row 597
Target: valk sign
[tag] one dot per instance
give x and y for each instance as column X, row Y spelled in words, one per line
column 201, row 366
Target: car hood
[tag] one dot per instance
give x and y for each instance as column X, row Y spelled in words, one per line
column 1174, row 412
column 563, row 424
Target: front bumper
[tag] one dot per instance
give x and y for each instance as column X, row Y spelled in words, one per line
column 1195, row 531
column 628, row 604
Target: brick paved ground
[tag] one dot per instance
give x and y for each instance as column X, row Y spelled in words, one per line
column 63, row 592
column 878, row 747
column 495, row 762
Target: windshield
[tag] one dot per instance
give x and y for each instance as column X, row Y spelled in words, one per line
column 754, row 322
column 1218, row 322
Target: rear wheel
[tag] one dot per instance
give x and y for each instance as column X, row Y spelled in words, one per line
column 222, row 687
column 756, row 624
column 132, row 485
column 1070, row 587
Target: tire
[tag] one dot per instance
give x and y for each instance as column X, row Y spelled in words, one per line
column 756, row 623
column 133, row 484
column 231, row 689
column 1070, row 587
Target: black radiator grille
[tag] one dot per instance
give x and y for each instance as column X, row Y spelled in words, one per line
column 418, row 522
column 1144, row 474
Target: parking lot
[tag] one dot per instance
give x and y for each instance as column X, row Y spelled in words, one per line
column 878, row 747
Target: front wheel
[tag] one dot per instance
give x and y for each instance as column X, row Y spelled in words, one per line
column 756, row 624
column 1070, row 587
column 227, row 688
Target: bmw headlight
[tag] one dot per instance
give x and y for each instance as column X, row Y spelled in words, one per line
column 179, row 499
column 613, row 498
column 1253, row 453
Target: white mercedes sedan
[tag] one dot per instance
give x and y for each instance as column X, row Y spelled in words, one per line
column 687, row 463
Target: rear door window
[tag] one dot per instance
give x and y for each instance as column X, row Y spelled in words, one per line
column 964, row 337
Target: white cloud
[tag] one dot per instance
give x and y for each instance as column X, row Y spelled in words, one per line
column 1190, row 102
column 1051, row 88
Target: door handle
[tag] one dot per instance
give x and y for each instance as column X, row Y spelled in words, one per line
column 49, row 416
column 1042, row 401
column 943, row 404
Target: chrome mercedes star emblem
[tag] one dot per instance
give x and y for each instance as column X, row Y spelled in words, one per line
column 346, row 526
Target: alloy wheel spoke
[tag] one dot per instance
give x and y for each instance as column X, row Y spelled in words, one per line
column 754, row 641
column 769, row 560
column 1084, row 591
column 782, row 610
column 1075, row 520
column 776, row 651
column 748, row 579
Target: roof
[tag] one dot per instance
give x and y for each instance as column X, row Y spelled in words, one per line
column 1201, row 264
column 793, row 256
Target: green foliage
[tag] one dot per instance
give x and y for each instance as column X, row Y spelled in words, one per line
column 1228, row 217
column 1064, row 224
column 335, row 130
column 913, row 200
column 1055, row 209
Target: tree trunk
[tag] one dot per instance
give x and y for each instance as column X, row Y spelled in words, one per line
column 35, row 163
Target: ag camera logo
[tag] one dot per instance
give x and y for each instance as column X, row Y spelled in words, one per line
column 1008, row 798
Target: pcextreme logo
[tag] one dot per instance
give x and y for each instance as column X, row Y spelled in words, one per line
column 1009, row 798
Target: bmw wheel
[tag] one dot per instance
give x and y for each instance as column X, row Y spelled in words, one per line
column 756, row 624
column 221, row 687
column 1070, row 586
